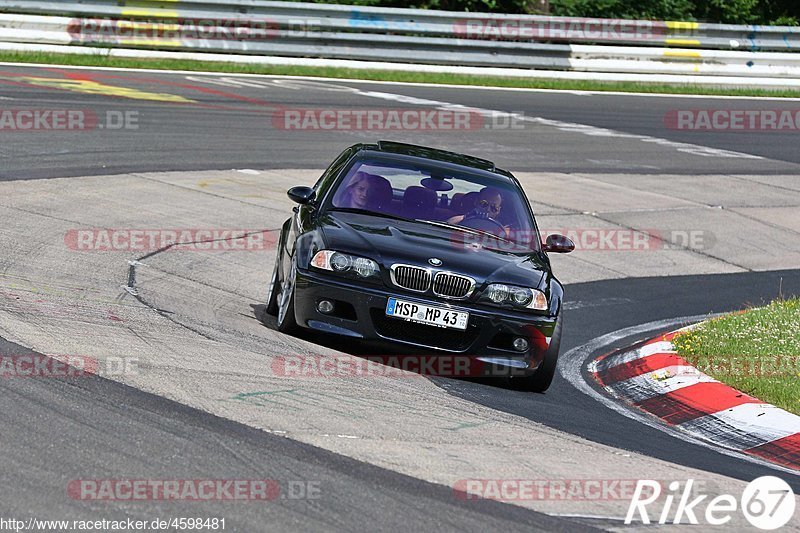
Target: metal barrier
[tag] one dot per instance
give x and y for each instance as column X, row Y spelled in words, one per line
column 422, row 37
column 427, row 23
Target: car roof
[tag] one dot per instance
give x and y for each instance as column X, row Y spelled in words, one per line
column 434, row 154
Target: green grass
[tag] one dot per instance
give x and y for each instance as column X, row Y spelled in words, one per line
column 757, row 352
column 381, row 75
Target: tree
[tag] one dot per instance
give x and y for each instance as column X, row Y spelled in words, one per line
column 782, row 12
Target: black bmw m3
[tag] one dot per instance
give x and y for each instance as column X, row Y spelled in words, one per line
column 417, row 249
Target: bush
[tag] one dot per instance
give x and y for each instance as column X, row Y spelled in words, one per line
column 780, row 12
column 628, row 9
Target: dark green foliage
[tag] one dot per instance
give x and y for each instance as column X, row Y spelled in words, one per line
column 627, row 9
column 780, row 12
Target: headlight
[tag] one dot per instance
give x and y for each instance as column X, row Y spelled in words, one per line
column 365, row 267
column 344, row 263
column 521, row 297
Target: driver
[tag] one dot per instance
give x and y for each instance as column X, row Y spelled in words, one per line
column 487, row 205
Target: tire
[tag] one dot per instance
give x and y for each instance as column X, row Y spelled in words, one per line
column 272, row 296
column 287, row 323
column 272, row 293
column 541, row 379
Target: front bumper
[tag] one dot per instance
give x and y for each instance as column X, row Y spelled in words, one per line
column 362, row 315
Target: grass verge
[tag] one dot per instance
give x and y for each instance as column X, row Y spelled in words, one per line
column 382, row 75
column 756, row 352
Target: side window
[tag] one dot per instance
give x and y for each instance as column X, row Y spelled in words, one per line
column 327, row 178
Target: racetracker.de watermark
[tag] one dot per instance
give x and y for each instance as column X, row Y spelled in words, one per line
column 65, row 366
column 395, row 366
column 193, row 490
column 746, row 366
column 578, row 490
column 553, row 29
column 394, row 119
column 190, row 29
column 172, row 239
column 591, row 239
column 66, row 120
column 734, row 120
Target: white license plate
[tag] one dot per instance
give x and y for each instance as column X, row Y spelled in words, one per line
column 427, row 314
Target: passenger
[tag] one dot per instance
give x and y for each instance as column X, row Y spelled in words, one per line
column 356, row 195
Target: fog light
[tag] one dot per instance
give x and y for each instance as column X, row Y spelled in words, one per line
column 521, row 344
column 326, row 306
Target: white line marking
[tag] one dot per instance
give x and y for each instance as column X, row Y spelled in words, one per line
column 645, row 351
column 571, row 365
column 656, row 347
column 658, row 382
column 585, row 129
column 403, row 83
column 572, row 127
column 745, row 426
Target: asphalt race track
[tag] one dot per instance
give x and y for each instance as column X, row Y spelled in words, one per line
column 157, row 434
column 234, row 129
column 207, row 151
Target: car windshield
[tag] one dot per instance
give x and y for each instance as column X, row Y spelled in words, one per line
column 484, row 210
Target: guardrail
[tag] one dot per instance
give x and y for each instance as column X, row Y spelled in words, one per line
column 481, row 26
column 240, row 28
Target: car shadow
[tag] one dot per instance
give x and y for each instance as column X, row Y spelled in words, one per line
column 392, row 358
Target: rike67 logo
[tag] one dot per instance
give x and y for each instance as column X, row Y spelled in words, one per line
column 767, row 503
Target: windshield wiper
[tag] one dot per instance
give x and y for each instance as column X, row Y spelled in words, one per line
column 464, row 229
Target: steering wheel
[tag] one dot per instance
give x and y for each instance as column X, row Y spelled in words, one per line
column 489, row 225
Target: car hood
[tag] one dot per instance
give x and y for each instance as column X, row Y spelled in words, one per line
column 390, row 241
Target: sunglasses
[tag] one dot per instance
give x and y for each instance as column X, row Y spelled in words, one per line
column 494, row 208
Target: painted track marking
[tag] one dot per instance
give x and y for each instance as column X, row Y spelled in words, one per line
column 573, row 362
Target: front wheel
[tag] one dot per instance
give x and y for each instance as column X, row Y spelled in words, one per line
column 286, row 319
column 541, row 379
column 272, row 295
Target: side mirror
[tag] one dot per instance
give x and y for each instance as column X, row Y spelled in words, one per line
column 301, row 194
column 558, row 244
